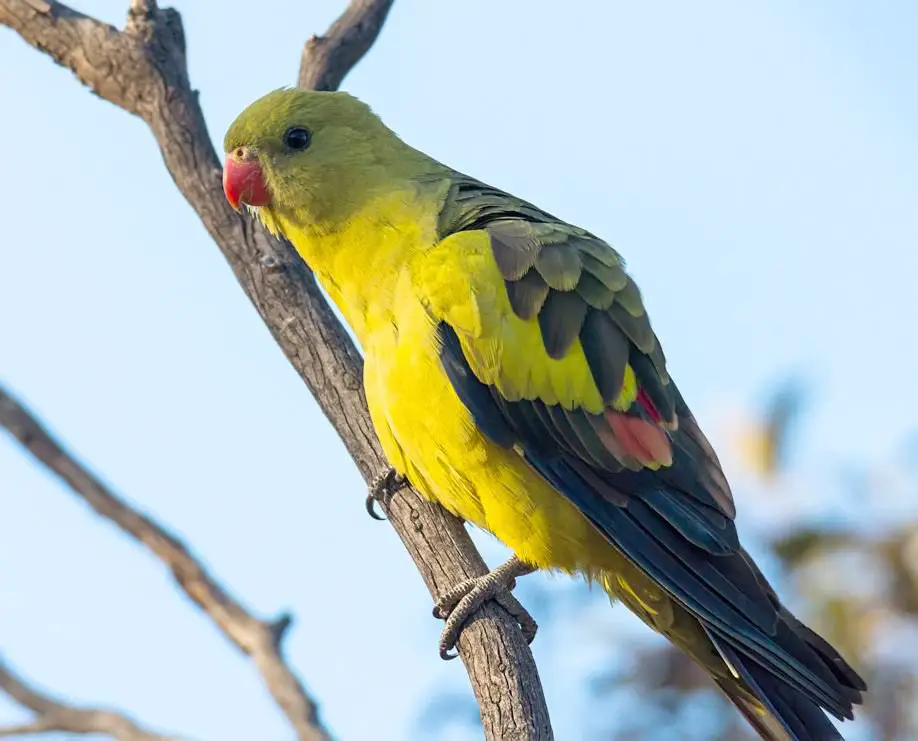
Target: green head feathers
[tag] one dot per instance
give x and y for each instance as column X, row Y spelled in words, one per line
column 266, row 120
column 318, row 153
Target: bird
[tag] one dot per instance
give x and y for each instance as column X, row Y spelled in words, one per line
column 513, row 376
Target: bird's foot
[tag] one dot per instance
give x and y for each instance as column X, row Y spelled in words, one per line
column 462, row 600
column 385, row 486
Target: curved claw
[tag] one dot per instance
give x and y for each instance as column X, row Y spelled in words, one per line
column 445, row 652
column 460, row 603
column 371, row 508
column 383, row 487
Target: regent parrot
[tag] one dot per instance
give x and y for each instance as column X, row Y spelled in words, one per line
column 513, row 376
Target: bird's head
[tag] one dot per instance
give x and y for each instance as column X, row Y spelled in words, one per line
column 307, row 157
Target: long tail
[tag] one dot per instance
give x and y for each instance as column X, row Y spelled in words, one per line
column 777, row 711
column 776, row 702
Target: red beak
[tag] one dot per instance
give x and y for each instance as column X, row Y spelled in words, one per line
column 244, row 180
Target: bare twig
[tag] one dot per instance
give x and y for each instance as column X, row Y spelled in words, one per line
column 259, row 639
column 327, row 59
column 144, row 71
column 52, row 714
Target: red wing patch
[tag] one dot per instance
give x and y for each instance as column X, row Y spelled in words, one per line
column 644, row 400
column 646, row 442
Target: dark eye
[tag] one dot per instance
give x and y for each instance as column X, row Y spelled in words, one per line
column 297, row 138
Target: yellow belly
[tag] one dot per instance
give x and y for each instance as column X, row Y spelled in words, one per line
column 429, row 435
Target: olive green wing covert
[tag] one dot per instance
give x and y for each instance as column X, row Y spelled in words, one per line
column 575, row 285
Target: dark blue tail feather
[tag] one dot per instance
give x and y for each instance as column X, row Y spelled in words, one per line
column 789, row 714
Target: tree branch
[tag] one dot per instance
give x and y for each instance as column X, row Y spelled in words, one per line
column 143, row 70
column 52, row 715
column 327, row 59
column 261, row 640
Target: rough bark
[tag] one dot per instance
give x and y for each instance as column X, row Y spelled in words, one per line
column 143, row 70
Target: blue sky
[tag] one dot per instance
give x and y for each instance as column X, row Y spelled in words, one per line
column 757, row 163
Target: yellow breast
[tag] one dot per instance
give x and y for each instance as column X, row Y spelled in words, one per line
column 425, row 430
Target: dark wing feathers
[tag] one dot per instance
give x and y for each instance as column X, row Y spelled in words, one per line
column 560, row 320
column 598, row 280
column 629, row 297
column 474, row 395
column 675, row 523
column 514, row 253
column 636, row 328
column 607, row 352
column 527, row 295
column 560, row 266
column 706, row 527
column 594, row 291
column 693, row 445
column 658, row 390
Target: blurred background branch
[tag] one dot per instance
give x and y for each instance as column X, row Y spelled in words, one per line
column 259, row 639
column 52, row 714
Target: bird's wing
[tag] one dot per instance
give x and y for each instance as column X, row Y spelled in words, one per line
column 546, row 340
